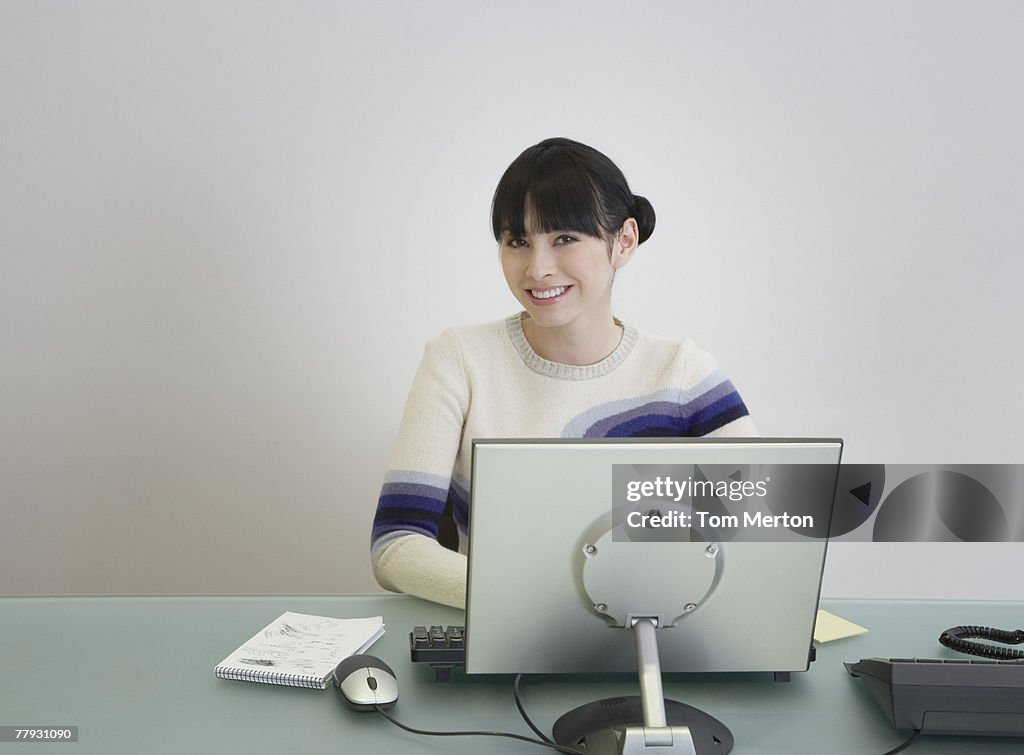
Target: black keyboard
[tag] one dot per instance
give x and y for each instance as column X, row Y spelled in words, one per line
column 444, row 648
column 947, row 696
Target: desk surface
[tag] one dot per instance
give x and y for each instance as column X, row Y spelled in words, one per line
column 135, row 674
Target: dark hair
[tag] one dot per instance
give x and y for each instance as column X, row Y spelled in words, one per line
column 568, row 186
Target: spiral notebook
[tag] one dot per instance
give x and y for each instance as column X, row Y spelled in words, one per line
column 299, row 650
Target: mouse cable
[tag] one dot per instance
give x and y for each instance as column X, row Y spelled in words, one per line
column 906, row 744
column 508, row 735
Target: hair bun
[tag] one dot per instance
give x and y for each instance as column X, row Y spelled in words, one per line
column 643, row 213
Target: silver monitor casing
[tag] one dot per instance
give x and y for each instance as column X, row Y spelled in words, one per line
column 535, row 502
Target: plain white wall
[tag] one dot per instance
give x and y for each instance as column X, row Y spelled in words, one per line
column 227, row 229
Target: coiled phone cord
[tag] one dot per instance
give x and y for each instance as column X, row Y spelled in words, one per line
column 962, row 640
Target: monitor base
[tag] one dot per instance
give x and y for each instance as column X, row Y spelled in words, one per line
column 601, row 728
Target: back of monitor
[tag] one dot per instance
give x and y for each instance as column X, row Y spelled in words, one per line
column 550, row 588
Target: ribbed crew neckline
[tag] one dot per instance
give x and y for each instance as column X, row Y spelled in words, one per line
column 537, row 363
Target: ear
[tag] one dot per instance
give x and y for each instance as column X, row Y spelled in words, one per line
column 625, row 244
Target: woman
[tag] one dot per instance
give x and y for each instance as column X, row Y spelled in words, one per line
column 566, row 221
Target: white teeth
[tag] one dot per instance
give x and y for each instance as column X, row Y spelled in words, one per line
column 548, row 293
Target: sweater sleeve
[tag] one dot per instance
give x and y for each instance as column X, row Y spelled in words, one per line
column 405, row 553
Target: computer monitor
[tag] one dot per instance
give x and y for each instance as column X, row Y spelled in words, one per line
column 720, row 543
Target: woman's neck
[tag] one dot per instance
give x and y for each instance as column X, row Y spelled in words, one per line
column 574, row 343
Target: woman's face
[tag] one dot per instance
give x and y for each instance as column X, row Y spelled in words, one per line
column 562, row 277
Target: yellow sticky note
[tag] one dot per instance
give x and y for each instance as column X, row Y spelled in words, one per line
column 828, row 627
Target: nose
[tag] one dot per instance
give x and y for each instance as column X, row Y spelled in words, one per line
column 541, row 263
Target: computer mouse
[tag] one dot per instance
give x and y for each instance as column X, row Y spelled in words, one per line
column 365, row 681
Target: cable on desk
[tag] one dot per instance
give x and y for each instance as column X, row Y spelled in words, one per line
column 522, row 710
column 906, row 744
column 507, row 735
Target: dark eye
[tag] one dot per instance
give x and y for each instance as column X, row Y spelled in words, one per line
column 565, row 238
column 515, row 242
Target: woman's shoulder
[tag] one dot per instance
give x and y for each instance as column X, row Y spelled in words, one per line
column 460, row 341
column 683, row 356
column 694, row 380
column 471, row 335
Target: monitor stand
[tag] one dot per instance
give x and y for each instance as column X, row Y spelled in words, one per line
column 647, row 724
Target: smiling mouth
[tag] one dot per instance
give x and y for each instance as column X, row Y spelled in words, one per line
column 548, row 293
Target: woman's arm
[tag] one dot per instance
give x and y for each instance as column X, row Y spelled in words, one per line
column 421, row 566
column 406, row 555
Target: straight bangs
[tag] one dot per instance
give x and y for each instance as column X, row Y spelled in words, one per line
column 557, row 191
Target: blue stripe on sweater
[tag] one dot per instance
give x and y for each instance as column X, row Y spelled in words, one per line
column 660, row 419
column 699, row 411
column 413, row 502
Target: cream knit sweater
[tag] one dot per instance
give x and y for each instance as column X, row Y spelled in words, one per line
column 487, row 382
